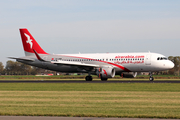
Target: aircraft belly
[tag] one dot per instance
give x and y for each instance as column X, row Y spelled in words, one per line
column 138, row 68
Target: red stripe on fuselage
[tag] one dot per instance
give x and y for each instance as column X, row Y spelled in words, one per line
column 119, row 66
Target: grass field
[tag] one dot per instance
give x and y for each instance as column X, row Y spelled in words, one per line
column 89, row 99
column 141, row 100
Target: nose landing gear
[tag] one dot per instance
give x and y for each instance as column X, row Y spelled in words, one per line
column 150, row 76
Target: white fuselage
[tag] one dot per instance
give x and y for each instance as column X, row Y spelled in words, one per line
column 122, row 62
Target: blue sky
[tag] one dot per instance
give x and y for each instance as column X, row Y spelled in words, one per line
column 91, row 26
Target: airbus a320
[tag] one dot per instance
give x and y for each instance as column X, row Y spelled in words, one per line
column 104, row 65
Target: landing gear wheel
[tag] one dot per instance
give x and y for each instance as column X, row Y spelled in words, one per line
column 88, row 78
column 103, row 79
column 151, row 79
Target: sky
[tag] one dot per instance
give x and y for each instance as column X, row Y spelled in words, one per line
column 91, row 26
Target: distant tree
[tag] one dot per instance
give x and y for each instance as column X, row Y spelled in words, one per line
column 25, row 69
column 17, row 68
column 9, row 67
column 1, row 68
column 35, row 70
column 176, row 61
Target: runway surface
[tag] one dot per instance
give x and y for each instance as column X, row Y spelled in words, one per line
column 83, row 81
column 69, row 118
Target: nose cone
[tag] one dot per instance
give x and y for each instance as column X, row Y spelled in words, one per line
column 170, row 65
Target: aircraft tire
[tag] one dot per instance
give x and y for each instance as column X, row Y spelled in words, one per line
column 151, row 79
column 88, row 78
column 103, row 79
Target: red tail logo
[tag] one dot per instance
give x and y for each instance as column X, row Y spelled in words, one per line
column 29, row 43
column 29, row 40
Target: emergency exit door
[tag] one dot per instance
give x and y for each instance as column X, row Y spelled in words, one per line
column 148, row 59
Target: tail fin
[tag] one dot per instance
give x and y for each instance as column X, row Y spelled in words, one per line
column 29, row 43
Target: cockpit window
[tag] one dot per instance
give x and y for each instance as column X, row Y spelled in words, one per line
column 161, row 58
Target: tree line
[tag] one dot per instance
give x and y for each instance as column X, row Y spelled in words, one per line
column 176, row 61
column 17, row 68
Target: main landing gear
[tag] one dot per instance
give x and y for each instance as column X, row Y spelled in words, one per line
column 150, row 76
column 88, row 78
column 103, row 79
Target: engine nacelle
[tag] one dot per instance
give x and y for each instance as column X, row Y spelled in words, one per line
column 129, row 74
column 106, row 72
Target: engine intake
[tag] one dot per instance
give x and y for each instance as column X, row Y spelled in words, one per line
column 106, row 72
column 129, row 74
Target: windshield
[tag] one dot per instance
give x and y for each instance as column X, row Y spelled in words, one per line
column 162, row 58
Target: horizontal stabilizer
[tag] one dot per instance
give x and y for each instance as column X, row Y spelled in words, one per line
column 24, row 59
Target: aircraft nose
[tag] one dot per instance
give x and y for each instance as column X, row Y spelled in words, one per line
column 170, row 65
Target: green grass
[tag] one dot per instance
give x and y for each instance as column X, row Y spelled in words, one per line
column 140, row 100
column 154, row 87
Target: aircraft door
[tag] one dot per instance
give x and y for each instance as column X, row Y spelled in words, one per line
column 148, row 59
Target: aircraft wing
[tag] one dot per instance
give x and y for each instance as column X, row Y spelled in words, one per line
column 74, row 63
column 70, row 63
column 25, row 59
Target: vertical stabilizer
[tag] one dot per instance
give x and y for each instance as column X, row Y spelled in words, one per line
column 29, row 43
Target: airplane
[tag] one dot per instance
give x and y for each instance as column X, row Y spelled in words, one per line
column 104, row 65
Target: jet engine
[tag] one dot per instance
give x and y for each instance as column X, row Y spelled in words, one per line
column 105, row 72
column 129, row 74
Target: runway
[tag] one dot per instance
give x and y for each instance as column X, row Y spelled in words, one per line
column 83, row 81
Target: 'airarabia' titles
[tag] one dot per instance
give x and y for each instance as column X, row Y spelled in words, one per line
column 129, row 62
column 130, row 56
